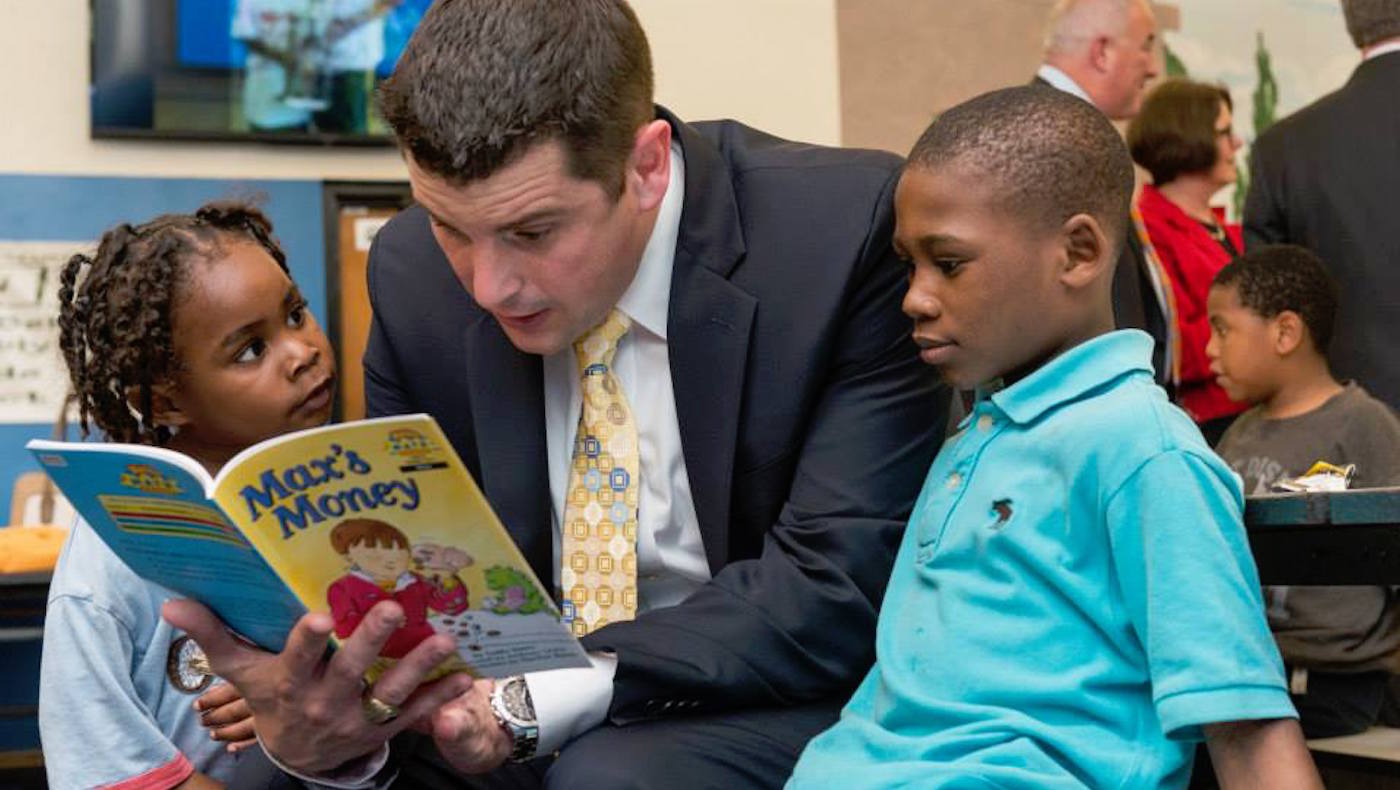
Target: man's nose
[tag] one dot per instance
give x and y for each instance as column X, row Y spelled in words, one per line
column 487, row 275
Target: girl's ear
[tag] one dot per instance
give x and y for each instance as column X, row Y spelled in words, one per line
column 165, row 410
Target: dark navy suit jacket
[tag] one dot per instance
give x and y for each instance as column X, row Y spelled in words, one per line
column 1328, row 178
column 806, row 418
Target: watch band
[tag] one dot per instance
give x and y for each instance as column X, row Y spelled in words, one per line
column 515, row 713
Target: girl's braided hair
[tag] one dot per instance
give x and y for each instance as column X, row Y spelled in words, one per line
column 115, row 326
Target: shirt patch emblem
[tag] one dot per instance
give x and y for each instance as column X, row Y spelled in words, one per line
column 187, row 667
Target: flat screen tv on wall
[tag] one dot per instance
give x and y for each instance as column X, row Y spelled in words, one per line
column 293, row 71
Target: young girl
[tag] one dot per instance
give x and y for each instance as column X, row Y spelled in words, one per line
column 184, row 332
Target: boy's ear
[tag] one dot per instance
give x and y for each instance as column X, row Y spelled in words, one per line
column 1088, row 254
column 1289, row 331
column 164, row 410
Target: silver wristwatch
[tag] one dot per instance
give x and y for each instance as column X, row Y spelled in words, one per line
column 515, row 712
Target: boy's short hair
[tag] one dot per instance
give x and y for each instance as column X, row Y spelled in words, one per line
column 1175, row 134
column 368, row 531
column 1279, row 277
column 481, row 81
column 1054, row 155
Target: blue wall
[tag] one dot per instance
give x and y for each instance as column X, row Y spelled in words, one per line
column 50, row 208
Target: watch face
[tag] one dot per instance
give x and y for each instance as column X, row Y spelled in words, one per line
column 515, row 696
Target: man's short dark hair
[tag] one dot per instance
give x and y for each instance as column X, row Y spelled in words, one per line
column 1175, row 133
column 1279, row 277
column 1052, row 154
column 482, row 81
column 1371, row 21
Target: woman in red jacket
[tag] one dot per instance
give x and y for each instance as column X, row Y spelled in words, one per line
column 1184, row 137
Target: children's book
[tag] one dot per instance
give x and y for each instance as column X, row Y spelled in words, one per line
column 334, row 518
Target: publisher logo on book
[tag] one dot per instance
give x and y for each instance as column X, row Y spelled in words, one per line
column 414, row 451
column 149, row 480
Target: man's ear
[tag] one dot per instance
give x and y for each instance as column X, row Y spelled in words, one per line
column 165, row 410
column 649, row 165
column 1288, row 332
column 1099, row 56
column 1087, row 252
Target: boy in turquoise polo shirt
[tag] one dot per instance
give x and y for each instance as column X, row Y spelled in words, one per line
column 1074, row 603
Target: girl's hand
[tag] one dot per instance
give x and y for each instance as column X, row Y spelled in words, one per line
column 223, row 710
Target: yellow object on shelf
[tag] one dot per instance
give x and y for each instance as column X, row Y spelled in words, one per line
column 30, row 549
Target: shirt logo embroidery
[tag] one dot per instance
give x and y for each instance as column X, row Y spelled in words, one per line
column 1002, row 509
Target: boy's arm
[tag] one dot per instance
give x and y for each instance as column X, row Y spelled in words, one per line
column 1268, row 753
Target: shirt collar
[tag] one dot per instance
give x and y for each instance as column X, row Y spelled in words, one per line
column 1061, row 80
column 1069, row 376
column 647, row 300
column 1383, row 49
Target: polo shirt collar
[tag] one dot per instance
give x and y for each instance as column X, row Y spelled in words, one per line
column 1074, row 373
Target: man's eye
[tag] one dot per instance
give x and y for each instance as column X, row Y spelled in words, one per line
column 251, row 352
column 296, row 316
column 530, row 234
column 948, row 265
column 447, row 230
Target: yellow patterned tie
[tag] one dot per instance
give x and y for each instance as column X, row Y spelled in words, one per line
column 598, row 576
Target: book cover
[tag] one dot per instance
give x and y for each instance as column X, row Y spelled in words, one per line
column 334, row 519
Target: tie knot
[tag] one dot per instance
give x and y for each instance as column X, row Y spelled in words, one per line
column 598, row 344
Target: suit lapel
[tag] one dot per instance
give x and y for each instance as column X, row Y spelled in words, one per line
column 708, row 335
column 507, row 395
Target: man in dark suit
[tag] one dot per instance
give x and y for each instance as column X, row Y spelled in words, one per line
column 1104, row 52
column 783, row 419
column 1326, row 178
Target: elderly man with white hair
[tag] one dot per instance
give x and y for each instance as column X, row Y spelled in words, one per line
column 1103, row 51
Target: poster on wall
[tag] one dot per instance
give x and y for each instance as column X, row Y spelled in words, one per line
column 33, row 378
column 1274, row 56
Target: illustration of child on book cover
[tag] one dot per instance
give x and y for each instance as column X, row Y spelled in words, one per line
column 381, row 568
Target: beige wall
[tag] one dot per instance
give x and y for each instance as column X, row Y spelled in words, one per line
column 771, row 63
column 902, row 61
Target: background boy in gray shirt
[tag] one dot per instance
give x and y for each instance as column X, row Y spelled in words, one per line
column 1271, row 315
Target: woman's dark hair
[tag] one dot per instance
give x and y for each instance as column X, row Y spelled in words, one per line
column 1175, row 133
column 115, row 326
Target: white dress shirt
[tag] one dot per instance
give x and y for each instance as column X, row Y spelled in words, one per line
column 1382, row 49
column 671, row 559
column 1061, row 80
